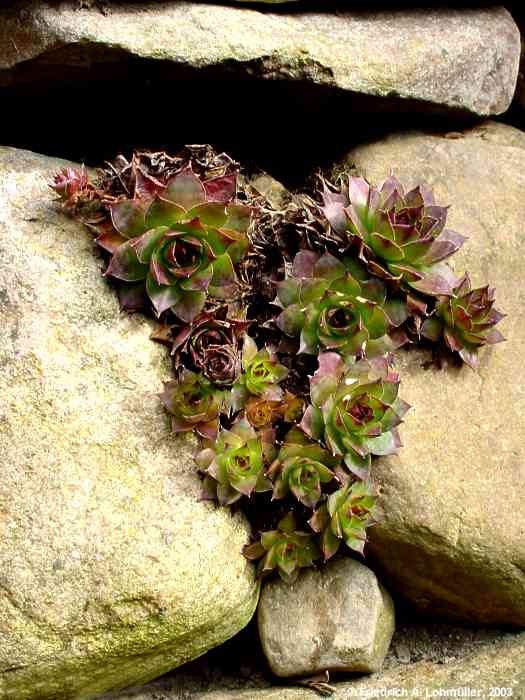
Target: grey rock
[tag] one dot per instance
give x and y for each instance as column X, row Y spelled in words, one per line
column 518, row 14
column 453, row 538
column 460, row 59
column 112, row 571
column 337, row 618
column 498, row 665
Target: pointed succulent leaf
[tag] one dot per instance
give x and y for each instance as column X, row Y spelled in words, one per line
column 385, row 444
column 189, row 306
column 448, row 243
column 162, row 212
column 291, row 320
column 288, row 291
column 221, row 189
column 304, row 264
column 329, row 268
column 185, row 189
column 432, row 329
column 109, row 238
column 146, row 244
column 163, row 297
column 313, row 423
column 125, row 264
column 128, row 217
column 223, row 271
column 435, row 283
column 359, row 191
column 132, row 296
column 334, row 204
column 199, row 281
column 209, row 214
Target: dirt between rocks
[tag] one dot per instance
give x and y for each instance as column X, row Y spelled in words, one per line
column 239, row 664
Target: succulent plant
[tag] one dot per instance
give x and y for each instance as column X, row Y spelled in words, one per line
column 210, row 343
column 235, row 466
column 284, row 549
column 194, row 404
column 178, row 244
column 346, row 515
column 261, row 374
column 261, row 412
column 67, row 182
column 364, row 272
column 355, row 409
column 465, row 321
column 333, row 306
column 302, row 466
column 400, row 236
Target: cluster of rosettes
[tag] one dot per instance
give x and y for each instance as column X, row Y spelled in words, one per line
column 293, row 444
column 402, row 239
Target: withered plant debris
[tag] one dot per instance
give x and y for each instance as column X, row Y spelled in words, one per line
column 282, row 326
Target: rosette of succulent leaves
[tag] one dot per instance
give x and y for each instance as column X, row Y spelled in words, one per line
column 282, row 325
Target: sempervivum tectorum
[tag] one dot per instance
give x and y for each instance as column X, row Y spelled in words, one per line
column 400, row 236
column 178, row 245
column 194, row 404
column 69, row 181
column 285, row 550
column 465, row 321
column 261, row 374
column 355, row 409
column 211, row 344
column 302, row 467
column 346, row 516
column 332, row 305
column 261, row 412
column 236, row 464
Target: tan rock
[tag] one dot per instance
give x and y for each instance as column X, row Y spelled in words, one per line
column 453, row 541
column 495, row 666
column 464, row 59
column 338, row 617
column 112, row 571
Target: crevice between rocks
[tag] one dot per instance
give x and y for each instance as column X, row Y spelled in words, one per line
column 87, row 103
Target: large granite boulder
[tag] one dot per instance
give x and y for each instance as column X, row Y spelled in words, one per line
column 458, row 59
column 112, row 571
column 453, row 539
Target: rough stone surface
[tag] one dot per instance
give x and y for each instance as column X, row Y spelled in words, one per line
column 388, row 54
column 499, row 665
column 112, row 571
column 338, row 618
column 453, row 541
column 518, row 14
